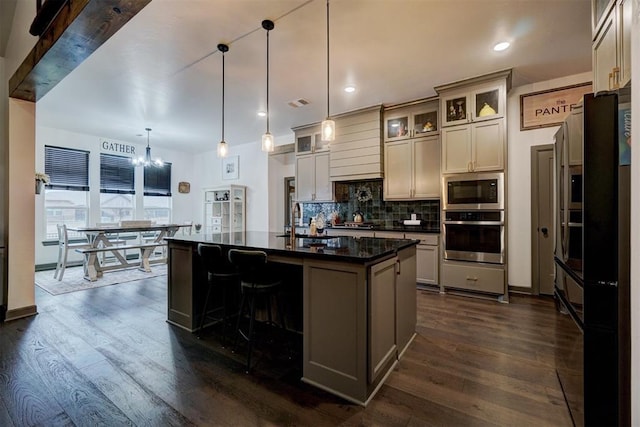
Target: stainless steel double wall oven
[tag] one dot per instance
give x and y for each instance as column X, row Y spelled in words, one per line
column 473, row 223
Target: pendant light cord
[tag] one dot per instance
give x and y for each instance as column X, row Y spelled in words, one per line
column 327, row 59
column 267, row 81
column 222, row 96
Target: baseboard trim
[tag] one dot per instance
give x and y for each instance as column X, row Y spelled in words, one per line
column 521, row 290
column 19, row 313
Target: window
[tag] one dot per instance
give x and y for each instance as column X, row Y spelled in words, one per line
column 67, row 194
column 117, row 188
column 157, row 193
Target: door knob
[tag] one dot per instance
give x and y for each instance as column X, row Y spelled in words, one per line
column 545, row 231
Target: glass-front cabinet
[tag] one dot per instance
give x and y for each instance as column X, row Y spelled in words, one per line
column 481, row 103
column 412, row 121
column 310, row 141
column 224, row 209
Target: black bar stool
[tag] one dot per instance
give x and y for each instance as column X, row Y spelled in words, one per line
column 220, row 274
column 255, row 282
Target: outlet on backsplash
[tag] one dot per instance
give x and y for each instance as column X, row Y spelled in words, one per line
column 366, row 197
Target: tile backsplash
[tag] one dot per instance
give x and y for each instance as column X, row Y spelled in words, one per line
column 366, row 197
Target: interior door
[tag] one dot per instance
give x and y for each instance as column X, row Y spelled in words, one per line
column 542, row 219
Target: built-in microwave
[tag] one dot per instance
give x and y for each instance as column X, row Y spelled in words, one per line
column 466, row 191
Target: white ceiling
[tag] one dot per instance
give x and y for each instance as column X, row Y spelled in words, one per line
column 162, row 69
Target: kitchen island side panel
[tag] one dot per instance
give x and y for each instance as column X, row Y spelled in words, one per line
column 181, row 308
column 335, row 330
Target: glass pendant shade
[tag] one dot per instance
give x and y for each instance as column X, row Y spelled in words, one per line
column 223, row 149
column 328, row 130
column 268, row 144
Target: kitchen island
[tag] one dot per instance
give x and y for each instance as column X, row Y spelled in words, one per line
column 358, row 301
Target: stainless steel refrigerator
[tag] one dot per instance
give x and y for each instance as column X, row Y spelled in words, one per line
column 592, row 258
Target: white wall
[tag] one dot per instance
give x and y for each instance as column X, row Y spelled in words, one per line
column 280, row 167
column 20, row 41
column 519, row 177
column 253, row 173
column 181, row 170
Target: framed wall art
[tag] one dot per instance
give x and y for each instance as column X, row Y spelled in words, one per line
column 550, row 107
column 231, row 167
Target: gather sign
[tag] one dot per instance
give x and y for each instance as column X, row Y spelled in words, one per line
column 117, row 147
column 550, row 107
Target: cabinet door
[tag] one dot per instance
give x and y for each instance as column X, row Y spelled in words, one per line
column 406, row 317
column 427, row 269
column 304, row 144
column 305, row 178
column 455, row 109
column 625, row 18
column 487, row 146
column 323, row 191
column 397, row 170
column 456, row 149
column 382, row 316
column 426, row 168
column 488, row 103
column 396, row 126
column 424, row 121
column 605, row 56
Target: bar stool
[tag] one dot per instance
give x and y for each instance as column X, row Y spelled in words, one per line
column 220, row 274
column 255, row 282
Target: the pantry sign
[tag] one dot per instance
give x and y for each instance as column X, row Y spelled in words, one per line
column 550, row 107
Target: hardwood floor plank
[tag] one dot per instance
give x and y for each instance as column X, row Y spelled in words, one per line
column 80, row 399
column 474, row 362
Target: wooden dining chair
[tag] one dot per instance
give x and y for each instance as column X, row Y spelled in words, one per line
column 63, row 249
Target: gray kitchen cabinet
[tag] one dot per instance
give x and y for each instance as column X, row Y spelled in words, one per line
column 382, row 316
column 474, row 147
column 405, row 299
column 428, row 257
column 412, row 169
column 312, row 178
column 612, row 44
column 473, row 116
column 412, row 120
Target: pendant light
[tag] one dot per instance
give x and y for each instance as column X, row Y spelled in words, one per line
column 146, row 160
column 223, row 149
column 328, row 132
column 267, row 139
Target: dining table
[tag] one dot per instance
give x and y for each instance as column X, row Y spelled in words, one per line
column 149, row 238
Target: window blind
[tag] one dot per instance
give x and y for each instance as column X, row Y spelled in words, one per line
column 116, row 174
column 157, row 180
column 68, row 169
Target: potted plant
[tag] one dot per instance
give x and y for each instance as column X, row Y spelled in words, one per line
column 41, row 180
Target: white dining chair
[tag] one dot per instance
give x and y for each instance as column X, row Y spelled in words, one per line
column 63, row 248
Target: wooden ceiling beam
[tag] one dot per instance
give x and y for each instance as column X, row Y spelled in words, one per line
column 80, row 28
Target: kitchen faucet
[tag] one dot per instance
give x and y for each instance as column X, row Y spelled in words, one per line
column 294, row 209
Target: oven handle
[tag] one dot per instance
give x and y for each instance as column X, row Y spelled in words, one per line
column 473, row 222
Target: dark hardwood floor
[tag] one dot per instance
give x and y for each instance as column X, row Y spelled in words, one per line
column 106, row 356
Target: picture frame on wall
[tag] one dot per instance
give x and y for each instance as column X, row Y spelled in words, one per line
column 548, row 108
column 231, row 167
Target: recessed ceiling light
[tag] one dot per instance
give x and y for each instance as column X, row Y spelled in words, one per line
column 349, row 89
column 501, row 46
column 262, row 113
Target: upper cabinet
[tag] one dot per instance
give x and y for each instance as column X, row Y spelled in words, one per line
column 412, row 151
column 484, row 102
column 411, row 121
column 308, row 141
column 312, row 166
column 612, row 21
column 473, row 117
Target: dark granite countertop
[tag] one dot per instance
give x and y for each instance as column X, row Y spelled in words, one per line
column 362, row 250
column 400, row 228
